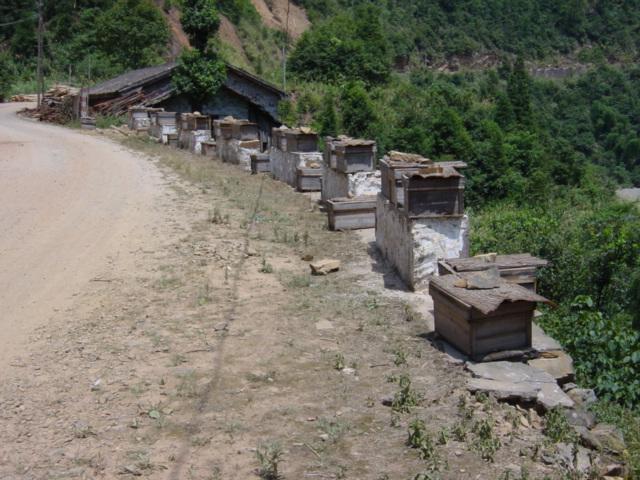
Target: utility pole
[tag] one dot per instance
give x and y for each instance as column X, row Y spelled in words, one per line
column 284, row 50
column 40, row 80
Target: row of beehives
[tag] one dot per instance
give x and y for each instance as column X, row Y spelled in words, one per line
column 416, row 206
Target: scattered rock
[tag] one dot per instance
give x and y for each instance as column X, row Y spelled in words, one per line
column 324, row 325
column 569, row 386
column 324, row 437
column 324, row 267
column 582, row 396
column 542, row 342
column 218, row 327
column 582, row 460
column 559, row 367
column 580, row 418
column 517, row 382
column 307, row 257
column 130, row 470
column 387, row 401
column 602, row 437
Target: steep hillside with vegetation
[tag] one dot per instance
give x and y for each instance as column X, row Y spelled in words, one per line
column 544, row 156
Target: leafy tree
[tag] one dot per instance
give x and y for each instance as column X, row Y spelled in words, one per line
column 138, row 29
column 519, row 93
column 327, row 117
column 358, row 113
column 199, row 75
column 200, row 21
column 6, row 75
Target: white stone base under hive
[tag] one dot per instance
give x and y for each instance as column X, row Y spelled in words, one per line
column 162, row 132
column 349, row 185
column 235, row 152
column 284, row 165
column 192, row 140
column 413, row 247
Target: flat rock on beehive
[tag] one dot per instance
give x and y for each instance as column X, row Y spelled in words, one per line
column 559, row 367
column 323, row 267
column 513, row 381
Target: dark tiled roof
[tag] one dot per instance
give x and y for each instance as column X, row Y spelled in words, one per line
column 131, row 79
column 142, row 76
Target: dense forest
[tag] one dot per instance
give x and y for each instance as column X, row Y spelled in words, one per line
column 545, row 156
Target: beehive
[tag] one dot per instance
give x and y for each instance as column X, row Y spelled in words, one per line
column 433, row 191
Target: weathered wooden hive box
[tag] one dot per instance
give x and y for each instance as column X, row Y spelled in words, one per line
column 521, row 268
column 309, row 179
column 329, row 153
column 166, row 119
column 139, row 118
column 479, row 322
column 352, row 213
column 277, row 139
column 354, row 155
column 433, row 191
column 245, row 130
column 226, row 129
column 300, row 140
column 396, row 164
column 209, row 148
column 172, row 140
column 196, row 122
column 260, row 163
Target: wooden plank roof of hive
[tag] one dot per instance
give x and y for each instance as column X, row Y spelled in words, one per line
column 501, row 261
column 132, row 79
column 485, row 300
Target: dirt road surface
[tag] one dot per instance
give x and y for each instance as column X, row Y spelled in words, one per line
column 70, row 205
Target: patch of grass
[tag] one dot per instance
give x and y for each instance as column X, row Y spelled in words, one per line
column 335, row 429
column 266, row 266
column 399, row 357
column 628, row 421
column 106, row 121
column 269, row 457
column 405, row 398
column 486, row 442
column 421, row 440
column 205, row 295
column 294, row 280
column 167, row 282
column 557, row 428
column 268, row 377
column 188, row 386
column 339, row 362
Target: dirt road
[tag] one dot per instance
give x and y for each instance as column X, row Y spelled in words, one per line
column 70, row 205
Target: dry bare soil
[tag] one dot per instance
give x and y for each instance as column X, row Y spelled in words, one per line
column 215, row 355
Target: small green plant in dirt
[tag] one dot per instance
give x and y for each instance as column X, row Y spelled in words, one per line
column 459, row 431
column 410, row 315
column 266, row 266
column 292, row 280
column 464, row 410
column 205, row 295
column 399, row 357
column 557, row 428
column 421, row 440
column 333, row 428
column 486, row 442
column 339, row 362
column 269, row 457
column 216, row 217
column 443, row 436
column 406, row 398
column 188, row 386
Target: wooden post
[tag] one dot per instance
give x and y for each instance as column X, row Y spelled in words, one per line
column 40, row 81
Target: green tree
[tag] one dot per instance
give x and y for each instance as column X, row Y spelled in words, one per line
column 6, row 75
column 200, row 21
column 133, row 33
column 327, row 117
column 518, row 90
column 199, row 75
column 358, row 112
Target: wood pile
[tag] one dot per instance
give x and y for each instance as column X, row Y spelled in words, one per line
column 57, row 105
column 137, row 97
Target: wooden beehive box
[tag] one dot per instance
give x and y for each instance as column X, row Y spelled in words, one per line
column 245, row 130
column 209, row 148
column 300, row 141
column 260, row 163
column 396, row 164
column 309, row 179
column 521, row 268
column 352, row 213
column 434, row 191
column 166, row 118
column 479, row 322
column 198, row 122
column 172, row 140
column 354, row 155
